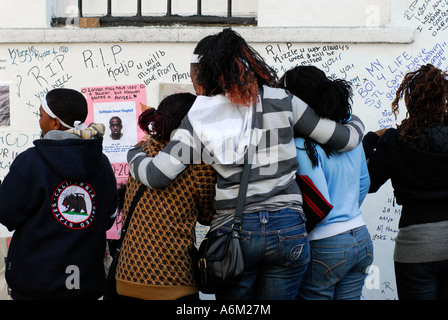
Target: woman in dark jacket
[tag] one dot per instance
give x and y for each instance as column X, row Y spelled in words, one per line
column 415, row 157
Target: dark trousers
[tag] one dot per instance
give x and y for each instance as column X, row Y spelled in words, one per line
column 422, row 281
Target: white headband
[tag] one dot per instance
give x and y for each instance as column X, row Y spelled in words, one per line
column 77, row 124
column 195, row 58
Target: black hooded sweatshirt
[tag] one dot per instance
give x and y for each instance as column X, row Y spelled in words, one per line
column 418, row 173
column 59, row 198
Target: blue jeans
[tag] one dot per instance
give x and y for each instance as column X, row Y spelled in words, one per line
column 276, row 252
column 338, row 266
column 422, row 281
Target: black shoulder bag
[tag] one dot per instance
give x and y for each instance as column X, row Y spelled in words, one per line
column 221, row 260
column 110, row 292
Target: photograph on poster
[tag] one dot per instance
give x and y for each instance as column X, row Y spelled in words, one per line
column 4, row 106
column 121, row 128
column 118, row 108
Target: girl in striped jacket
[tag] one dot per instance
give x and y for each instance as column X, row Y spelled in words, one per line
column 238, row 105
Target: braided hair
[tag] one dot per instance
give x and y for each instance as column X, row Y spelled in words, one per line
column 330, row 98
column 425, row 93
column 161, row 122
column 228, row 65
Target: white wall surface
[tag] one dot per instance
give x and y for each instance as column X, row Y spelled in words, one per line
column 25, row 13
column 324, row 13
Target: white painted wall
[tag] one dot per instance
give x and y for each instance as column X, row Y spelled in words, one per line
column 25, row 13
column 324, row 13
column 370, row 50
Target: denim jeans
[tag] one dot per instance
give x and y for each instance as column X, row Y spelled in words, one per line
column 276, row 252
column 422, row 281
column 338, row 266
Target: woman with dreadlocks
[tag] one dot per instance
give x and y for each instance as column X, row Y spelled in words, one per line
column 239, row 106
column 415, row 157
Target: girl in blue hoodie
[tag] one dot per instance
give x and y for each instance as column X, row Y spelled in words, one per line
column 341, row 248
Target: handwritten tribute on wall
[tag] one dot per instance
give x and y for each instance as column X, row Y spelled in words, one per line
column 144, row 73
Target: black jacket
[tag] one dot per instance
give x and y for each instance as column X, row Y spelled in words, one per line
column 59, row 198
column 418, row 173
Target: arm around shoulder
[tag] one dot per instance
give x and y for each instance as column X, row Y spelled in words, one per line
column 340, row 137
column 155, row 172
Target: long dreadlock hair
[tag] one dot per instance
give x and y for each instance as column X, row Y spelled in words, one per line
column 330, row 98
column 161, row 122
column 228, row 65
column 425, row 93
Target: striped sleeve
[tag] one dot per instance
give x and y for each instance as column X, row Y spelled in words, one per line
column 340, row 137
column 153, row 172
column 159, row 171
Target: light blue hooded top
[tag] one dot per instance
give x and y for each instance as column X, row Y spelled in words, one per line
column 344, row 180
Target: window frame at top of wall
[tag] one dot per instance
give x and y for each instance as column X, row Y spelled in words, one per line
column 168, row 19
column 173, row 20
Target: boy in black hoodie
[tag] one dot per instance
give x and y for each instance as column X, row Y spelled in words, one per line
column 59, row 198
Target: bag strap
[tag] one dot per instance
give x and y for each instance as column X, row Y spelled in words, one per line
column 244, row 179
column 111, row 273
column 134, row 202
column 242, row 193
